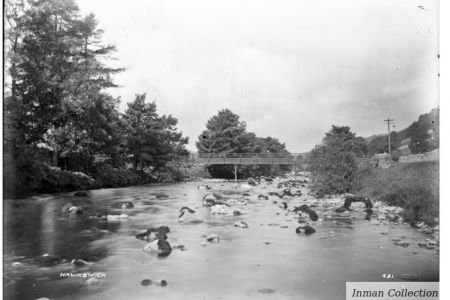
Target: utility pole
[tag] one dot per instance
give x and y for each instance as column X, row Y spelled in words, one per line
column 389, row 133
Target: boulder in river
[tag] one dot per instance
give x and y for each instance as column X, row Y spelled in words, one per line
column 211, row 199
column 348, row 200
column 48, row 260
column 305, row 209
column 213, row 238
column 75, row 210
column 401, row 243
column 79, row 263
column 146, row 282
column 185, row 211
column 236, row 213
column 161, row 282
column 306, row 229
column 241, row 224
column 152, row 234
column 161, row 247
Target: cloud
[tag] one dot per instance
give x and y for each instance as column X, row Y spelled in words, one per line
column 290, row 69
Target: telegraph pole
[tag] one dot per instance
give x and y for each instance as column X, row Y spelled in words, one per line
column 389, row 121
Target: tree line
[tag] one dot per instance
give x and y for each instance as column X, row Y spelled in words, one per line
column 64, row 131
column 226, row 133
column 59, row 120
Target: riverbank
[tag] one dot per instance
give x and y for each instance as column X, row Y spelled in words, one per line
column 41, row 178
column 411, row 186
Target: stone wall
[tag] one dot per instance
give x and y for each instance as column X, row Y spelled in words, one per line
column 427, row 156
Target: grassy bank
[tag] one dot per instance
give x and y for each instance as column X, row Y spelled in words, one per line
column 412, row 186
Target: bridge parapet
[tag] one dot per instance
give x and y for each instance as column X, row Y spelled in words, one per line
column 249, row 158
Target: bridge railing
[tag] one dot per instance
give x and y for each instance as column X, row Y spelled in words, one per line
column 249, row 158
column 244, row 155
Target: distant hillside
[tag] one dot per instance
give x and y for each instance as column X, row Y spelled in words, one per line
column 421, row 136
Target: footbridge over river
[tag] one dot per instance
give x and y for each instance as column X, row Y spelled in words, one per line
column 293, row 159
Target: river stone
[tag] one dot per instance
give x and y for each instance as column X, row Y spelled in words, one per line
column 162, row 282
column 240, row 224
column 47, row 260
column 213, row 238
column 75, row 210
column 146, row 282
column 401, row 243
column 79, row 263
column 305, row 229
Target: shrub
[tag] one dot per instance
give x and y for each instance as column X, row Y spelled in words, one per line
column 414, row 187
column 31, row 176
column 106, row 176
column 333, row 163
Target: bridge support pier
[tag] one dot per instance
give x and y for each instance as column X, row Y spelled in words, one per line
column 235, row 172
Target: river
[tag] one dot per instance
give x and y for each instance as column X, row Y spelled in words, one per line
column 266, row 260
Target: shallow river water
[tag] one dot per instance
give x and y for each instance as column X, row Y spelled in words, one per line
column 265, row 260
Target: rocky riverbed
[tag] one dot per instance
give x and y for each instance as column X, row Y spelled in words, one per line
column 208, row 239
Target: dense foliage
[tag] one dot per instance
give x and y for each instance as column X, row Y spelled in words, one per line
column 380, row 143
column 414, row 186
column 225, row 133
column 424, row 133
column 333, row 163
column 60, row 121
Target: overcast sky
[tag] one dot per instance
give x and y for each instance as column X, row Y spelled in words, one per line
column 290, row 69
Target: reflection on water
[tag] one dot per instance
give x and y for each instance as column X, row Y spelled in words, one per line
column 267, row 259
